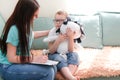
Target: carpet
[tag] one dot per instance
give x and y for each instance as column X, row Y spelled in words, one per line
column 96, row 62
column 99, row 62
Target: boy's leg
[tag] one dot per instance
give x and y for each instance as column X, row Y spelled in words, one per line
column 67, row 74
column 72, row 68
column 62, row 66
column 73, row 61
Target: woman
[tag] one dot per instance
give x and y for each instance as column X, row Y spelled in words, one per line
column 15, row 44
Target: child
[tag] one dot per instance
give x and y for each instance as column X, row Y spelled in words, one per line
column 64, row 65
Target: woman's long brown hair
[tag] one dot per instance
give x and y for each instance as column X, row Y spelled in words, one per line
column 21, row 17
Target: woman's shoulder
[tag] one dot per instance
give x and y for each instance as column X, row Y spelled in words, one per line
column 13, row 29
column 13, row 32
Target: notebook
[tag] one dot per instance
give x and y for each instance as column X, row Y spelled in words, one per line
column 49, row 62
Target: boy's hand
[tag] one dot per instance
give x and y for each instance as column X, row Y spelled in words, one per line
column 61, row 38
column 70, row 34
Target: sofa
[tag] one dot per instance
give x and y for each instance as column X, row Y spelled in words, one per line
column 100, row 55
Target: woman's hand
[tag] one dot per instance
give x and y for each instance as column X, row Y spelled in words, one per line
column 40, row 59
column 37, row 56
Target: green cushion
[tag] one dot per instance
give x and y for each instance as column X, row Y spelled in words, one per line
column 92, row 29
column 42, row 23
column 111, row 28
column 1, row 78
column 2, row 23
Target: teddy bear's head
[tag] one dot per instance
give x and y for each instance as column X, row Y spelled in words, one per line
column 73, row 26
column 66, row 24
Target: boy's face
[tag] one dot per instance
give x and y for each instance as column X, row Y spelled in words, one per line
column 59, row 19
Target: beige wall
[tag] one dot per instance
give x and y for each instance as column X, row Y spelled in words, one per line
column 6, row 7
column 47, row 9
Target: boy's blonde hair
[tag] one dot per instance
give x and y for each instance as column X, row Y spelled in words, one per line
column 61, row 12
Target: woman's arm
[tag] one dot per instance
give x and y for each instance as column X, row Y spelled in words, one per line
column 13, row 58
column 38, row 34
column 11, row 54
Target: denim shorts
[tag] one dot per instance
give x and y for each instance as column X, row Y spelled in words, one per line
column 27, row 72
column 72, row 58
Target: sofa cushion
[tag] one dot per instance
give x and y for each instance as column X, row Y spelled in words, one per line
column 93, row 30
column 111, row 28
column 2, row 23
column 42, row 23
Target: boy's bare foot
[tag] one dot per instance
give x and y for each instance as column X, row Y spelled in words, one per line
column 77, row 77
column 72, row 68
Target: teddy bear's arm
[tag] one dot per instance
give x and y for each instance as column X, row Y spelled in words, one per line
column 51, row 36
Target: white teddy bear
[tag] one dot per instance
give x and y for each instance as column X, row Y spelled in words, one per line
column 63, row 46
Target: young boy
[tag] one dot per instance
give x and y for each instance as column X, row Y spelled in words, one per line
column 64, row 66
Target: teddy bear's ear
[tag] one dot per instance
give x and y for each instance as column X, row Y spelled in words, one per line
column 58, row 30
column 66, row 21
column 69, row 19
column 78, row 40
column 81, row 28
